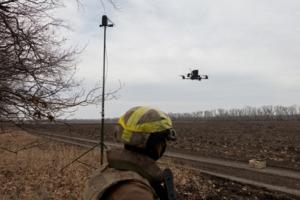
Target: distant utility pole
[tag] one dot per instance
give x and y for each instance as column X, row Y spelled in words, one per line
column 104, row 24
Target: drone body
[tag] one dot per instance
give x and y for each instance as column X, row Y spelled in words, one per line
column 194, row 75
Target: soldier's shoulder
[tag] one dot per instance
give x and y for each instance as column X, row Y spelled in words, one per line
column 105, row 177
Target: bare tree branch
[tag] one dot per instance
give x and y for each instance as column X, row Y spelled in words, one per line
column 36, row 73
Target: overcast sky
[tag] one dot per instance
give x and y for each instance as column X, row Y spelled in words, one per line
column 249, row 48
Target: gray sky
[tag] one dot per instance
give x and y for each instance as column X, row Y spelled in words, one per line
column 250, row 50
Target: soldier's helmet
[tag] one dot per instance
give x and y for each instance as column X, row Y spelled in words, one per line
column 138, row 123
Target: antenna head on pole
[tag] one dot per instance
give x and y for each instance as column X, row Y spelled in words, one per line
column 105, row 22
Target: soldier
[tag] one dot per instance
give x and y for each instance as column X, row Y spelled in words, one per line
column 131, row 173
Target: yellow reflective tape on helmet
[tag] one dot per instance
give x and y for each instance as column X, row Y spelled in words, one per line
column 163, row 115
column 157, row 126
column 132, row 126
column 136, row 116
column 122, row 121
column 126, row 135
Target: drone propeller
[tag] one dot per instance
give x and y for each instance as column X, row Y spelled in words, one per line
column 204, row 77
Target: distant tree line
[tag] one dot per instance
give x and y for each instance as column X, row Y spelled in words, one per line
column 267, row 112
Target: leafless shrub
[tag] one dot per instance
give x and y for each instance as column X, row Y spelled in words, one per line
column 36, row 72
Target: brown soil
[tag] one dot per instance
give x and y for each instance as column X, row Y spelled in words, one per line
column 34, row 173
column 276, row 141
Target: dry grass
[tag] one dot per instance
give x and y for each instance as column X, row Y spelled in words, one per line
column 35, row 173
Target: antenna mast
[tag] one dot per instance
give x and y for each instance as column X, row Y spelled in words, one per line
column 104, row 24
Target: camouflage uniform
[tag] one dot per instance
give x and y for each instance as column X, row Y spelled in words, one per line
column 127, row 175
column 131, row 174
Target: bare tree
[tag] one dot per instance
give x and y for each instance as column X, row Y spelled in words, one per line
column 36, row 72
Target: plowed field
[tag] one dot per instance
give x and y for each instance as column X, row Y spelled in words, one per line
column 278, row 142
column 35, row 173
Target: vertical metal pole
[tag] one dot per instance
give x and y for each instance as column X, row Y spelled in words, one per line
column 103, row 97
column 105, row 24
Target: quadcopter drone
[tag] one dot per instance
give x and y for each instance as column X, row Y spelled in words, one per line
column 194, row 75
